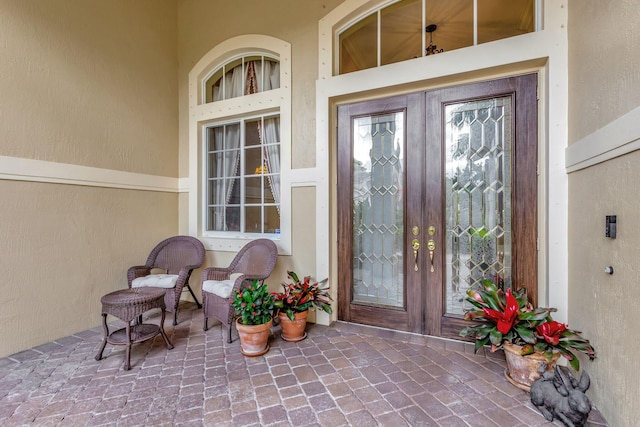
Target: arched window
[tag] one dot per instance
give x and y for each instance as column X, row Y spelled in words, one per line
column 243, row 76
column 240, row 126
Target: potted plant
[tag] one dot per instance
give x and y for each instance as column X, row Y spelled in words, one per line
column 253, row 304
column 529, row 336
column 294, row 302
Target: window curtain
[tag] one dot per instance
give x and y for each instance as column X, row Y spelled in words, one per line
column 271, row 144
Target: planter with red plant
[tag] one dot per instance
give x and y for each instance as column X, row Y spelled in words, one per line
column 529, row 336
column 294, row 302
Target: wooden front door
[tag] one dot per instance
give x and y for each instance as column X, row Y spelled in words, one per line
column 436, row 191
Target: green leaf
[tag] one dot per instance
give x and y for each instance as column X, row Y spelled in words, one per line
column 495, row 337
column 525, row 333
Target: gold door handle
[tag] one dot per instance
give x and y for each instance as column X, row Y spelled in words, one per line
column 431, row 245
column 415, row 244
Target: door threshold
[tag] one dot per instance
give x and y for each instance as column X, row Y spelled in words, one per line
column 415, row 338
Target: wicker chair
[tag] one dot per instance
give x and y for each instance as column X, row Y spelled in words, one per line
column 255, row 261
column 177, row 256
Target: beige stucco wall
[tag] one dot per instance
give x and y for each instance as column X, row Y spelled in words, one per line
column 89, row 83
column 604, row 84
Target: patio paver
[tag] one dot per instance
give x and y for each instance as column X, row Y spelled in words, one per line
column 339, row 376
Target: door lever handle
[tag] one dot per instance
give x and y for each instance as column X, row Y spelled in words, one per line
column 415, row 244
column 431, row 245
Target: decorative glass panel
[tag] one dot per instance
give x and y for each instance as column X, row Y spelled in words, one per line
column 378, row 203
column 478, row 197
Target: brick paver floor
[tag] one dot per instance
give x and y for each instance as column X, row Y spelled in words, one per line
column 343, row 375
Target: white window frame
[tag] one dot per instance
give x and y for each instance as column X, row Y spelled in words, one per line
column 241, row 122
column 203, row 114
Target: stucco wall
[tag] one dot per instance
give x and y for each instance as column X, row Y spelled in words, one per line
column 89, row 83
column 604, row 84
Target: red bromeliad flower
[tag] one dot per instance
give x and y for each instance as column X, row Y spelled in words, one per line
column 504, row 320
column 551, row 331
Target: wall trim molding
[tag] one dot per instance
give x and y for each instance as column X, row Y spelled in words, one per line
column 21, row 169
column 617, row 138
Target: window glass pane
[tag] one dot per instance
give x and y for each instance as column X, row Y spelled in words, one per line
column 252, row 133
column 499, row 19
column 454, row 23
column 401, row 31
column 268, row 196
column 271, row 79
column 271, row 219
column 232, row 218
column 253, row 219
column 253, row 161
column 359, row 45
column 253, row 190
column 213, row 86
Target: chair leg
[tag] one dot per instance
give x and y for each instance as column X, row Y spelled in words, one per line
column 175, row 317
column 194, row 296
column 206, row 327
column 229, row 339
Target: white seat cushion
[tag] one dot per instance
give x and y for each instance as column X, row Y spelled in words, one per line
column 166, row 281
column 221, row 288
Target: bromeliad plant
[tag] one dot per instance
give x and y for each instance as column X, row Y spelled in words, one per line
column 253, row 303
column 300, row 296
column 510, row 318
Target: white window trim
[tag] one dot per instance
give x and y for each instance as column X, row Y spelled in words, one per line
column 201, row 114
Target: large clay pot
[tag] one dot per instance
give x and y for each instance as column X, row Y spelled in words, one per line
column 293, row 330
column 254, row 339
column 522, row 371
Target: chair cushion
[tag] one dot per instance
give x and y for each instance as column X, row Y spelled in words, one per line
column 221, row 288
column 166, row 281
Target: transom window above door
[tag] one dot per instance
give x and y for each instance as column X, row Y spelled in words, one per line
column 406, row 29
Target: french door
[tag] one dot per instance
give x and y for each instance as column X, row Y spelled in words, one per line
column 436, row 191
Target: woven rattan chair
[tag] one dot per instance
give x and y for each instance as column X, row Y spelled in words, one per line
column 255, row 261
column 177, row 257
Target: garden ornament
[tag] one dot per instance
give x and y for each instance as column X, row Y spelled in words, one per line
column 559, row 395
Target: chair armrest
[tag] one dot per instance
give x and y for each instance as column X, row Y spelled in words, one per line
column 215, row 273
column 137, row 271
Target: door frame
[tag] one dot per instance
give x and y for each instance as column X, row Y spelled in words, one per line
column 524, row 206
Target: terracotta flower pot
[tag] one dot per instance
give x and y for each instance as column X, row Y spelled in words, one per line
column 254, row 339
column 522, row 371
column 293, row 330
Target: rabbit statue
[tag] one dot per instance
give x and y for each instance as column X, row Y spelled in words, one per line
column 559, row 395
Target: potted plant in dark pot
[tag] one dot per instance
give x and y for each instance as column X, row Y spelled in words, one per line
column 294, row 302
column 253, row 304
column 532, row 341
